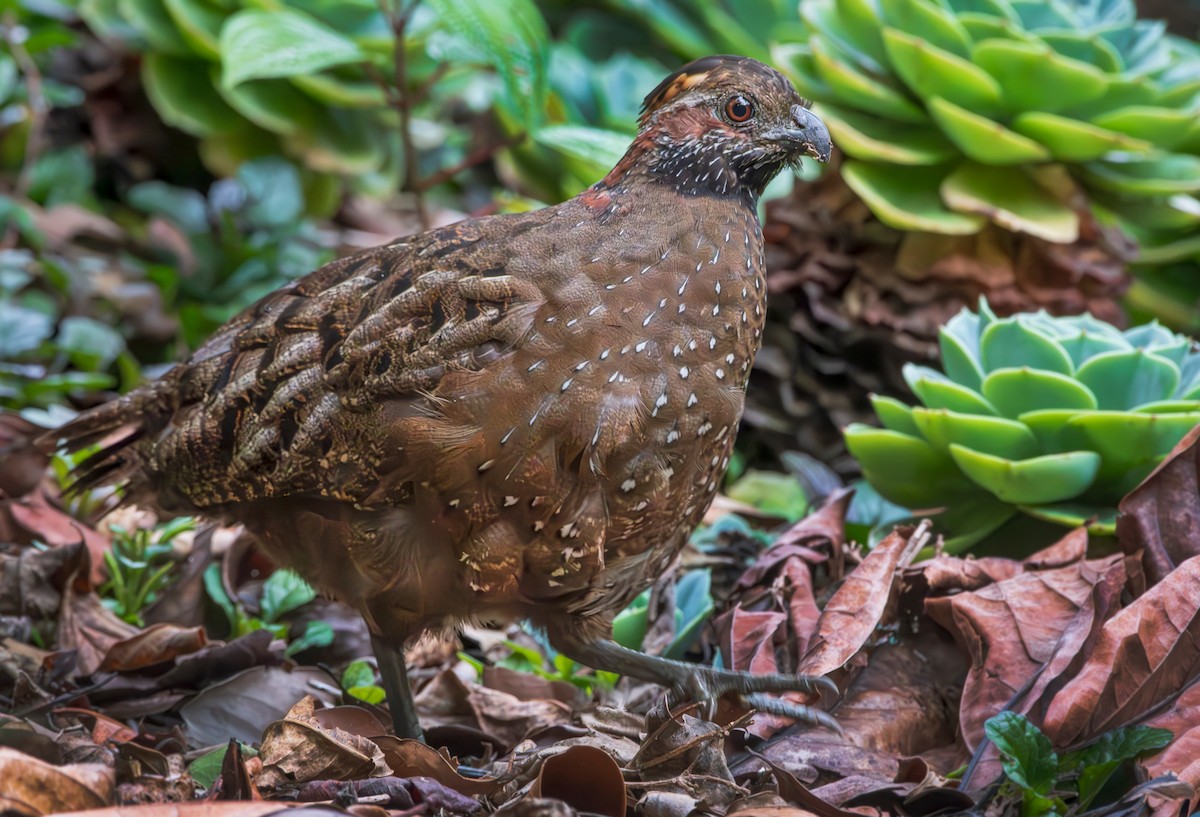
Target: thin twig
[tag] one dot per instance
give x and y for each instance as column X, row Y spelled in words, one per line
column 477, row 156
column 400, row 16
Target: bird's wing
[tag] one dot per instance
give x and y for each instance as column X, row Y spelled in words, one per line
column 288, row 397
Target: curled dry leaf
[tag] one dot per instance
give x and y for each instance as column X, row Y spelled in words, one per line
column 1161, row 517
column 1144, row 655
column 1182, row 756
column 39, row 518
column 411, row 758
column 298, row 749
column 155, row 644
column 32, row 582
column 239, row 808
column 585, row 778
column 506, row 717
column 854, row 611
column 1012, row 628
column 29, row 786
column 823, row 530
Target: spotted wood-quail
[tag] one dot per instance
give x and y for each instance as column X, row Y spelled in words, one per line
column 520, row 416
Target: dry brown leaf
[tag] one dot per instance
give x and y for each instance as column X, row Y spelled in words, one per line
column 411, row 758
column 244, row 705
column 32, row 581
column 103, row 729
column 1143, row 656
column 237, row 808
column 1182, row 756
column 155, row 644
column 1010, row 629
column 1161, row 517
column 22, row 464
column 34, row 787
column 854, row 611
column 585, row 778
column 86, row 625
column 41, row 519
column 298, row 749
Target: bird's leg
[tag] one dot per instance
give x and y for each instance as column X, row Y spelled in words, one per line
column 703, row 684
column 390, row 658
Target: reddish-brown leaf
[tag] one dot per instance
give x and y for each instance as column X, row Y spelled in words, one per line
column 1182, row 756
column 854, row 611
column 1010, row 629
column 33, row 787
column 411, row 758
column 88, row 626
column 584, row 777
column 1144, row 655
column 749, row 638
column 822, row 530
column 1161, row 517
column 41, row 519
column 155, row 644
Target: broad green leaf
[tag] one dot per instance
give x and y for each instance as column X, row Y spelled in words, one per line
column 1164, row 127
column 931, row 71
column 155, row 23
column 1012, row 200
column 894, row 415
column 989, row 435
column 937, row 391
column 629, row 626
column 851, row 32
column 866, row 136
column 1174, row 173
column 693, row 607
column 284, row 592
column 332, row 90
column 1027, row 755
column 316, row 634
column 91, row 345
column 512, row 37
column 1016, row 391
column 796, row 61
column 1085, row 48
column 207, row 768
column 369, row 693
column 22, row 330
column 1086, row 345
column 853, row 87
column 929, row 22
column 1072, row 140
column 982, row 139
column 1036, row 78
column 199, row 23
column 280, row 43
column 274, row 197
column 187, row 208
column 904, row 469
column 1014, row 343
column 184, row 97
column 346, row 142
column 1097, row 762
column 960, row 350
column 1124, row 380
column 596, row 150
column 1100, row 520
column 1038, row 480
column 907, row 198
column 773, row 492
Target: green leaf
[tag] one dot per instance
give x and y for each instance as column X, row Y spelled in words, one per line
column 1015, row 342
column 1123, row 380
column 1036, row 78
column 772, row 492
column 904, row 469
column 1028, row 757
column 693, row 607
column 1097, row 762
column 22, row 330
column 989, row 435
column 935, row 390
column 908, row 198
column 894, row 415
column 1071, row 140
column 188, row 209
column 512, row 37
column 595, row 149
column 984, row 139
column 1017, row 391
column 199, row 24
column 629, row 626
column 272, row 104
column 184, row 97
column 207, row 768
column 91, row 345
column 931, row 71
column 284, row 592
column 929, row 22
column 316, row 634
column 860, row 90
column 216, row 592
column 1164, row 127
column 280, row 43
column 358, row 674
column 958, row 341
column 1012, row 200
column 274, row 197
column 1163, row 176
column 1035, row 481
column 370, row 693
column 850, row 27
column 154, row 22
column 869, row 137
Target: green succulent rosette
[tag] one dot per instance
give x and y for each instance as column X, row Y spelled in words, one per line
column 954, row 114
column 1055, row 418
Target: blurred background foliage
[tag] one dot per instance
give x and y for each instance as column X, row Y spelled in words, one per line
column 163, row 163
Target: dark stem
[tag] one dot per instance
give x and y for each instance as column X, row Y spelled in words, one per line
column 477, row 156
column 403, row 101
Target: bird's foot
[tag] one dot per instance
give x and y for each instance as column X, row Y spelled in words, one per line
column 705, row 685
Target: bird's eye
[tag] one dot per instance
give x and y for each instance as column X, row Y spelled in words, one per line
column 739, row 109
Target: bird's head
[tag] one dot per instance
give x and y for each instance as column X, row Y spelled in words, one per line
column 724, row 125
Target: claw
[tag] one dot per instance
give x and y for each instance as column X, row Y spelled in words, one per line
column 787, row 709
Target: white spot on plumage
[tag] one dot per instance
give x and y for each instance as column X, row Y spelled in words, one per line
column 567, row 384
column 628, row 485
column 509, row 501
column 684, row 371
column 486, row 466
column 691, row 401
column 454, row 503
column 539, row 525
column 672, row 436
column 712, row 343
column 533, row 366
column 720, row 373
column 604, row 355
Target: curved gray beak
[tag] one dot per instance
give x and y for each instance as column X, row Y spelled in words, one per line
column 808, row 134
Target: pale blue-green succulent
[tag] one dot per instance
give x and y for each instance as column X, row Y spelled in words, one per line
column 1055, row 418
